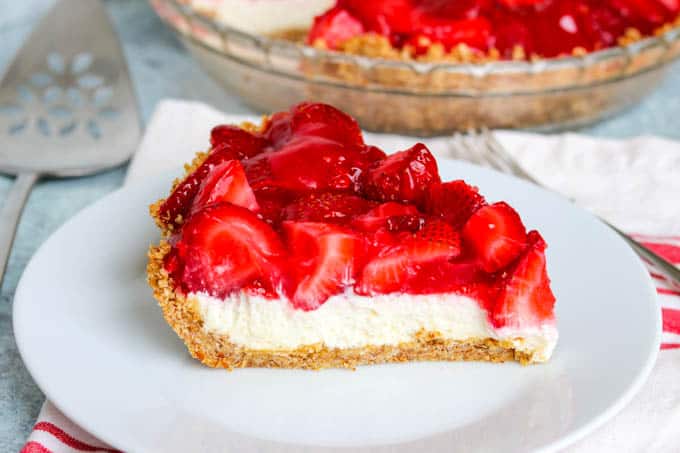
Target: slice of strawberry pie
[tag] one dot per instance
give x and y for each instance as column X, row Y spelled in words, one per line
column 295, row 244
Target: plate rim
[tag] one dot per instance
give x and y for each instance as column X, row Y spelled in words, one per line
column 558, row 443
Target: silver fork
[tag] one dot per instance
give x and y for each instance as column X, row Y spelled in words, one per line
column 67, row 107
column 481, row 147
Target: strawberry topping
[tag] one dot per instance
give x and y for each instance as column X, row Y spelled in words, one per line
column 496, row 235
column 325, row 258
column 397, row 264
column 335, row 27
column 309, row 163
column 454, row 202
column 322, row 120
column 385, row 16
column 232, row 144
column 404, row 176
column 526, row 300
column 224, row 247
column 311, row 147
column 326, row 207
column 305, row 210
column 548, row 28
column 390, row 215
column 225, row 183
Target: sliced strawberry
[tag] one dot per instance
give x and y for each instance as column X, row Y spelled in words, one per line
column 225, row 247
column 673, row 6
column 309, row 163
column 460, row 276
column 475, row 32
column 259, row 172
column 391, row 215
column 511, row 33
column 277, row 129
column 386, row 16
column 272, row 201
column 560, row 28
column 496, row 235
column 453, row 201
column 313, row 147
column 225, row 183
column 245, row 143
column 404, row 176
column 436, row 237
column 334, row 27
column 649, row 11
column 323, row 120
column 325, row 257
column 396, row 265
column 522, row 3
column 326, row 207
column 604, row 25
column 373, row 153
column 526, row 300
column 460, row 9
column 240, row 145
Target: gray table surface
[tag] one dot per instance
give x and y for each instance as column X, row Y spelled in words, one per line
column 161, row 68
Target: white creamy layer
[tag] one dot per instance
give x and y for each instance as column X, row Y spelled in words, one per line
column 257, row 16
column 349, row 320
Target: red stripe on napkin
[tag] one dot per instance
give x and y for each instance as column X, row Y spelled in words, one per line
column 669, row 250
column 34, row 447
column 67, row 439
column 671, row 320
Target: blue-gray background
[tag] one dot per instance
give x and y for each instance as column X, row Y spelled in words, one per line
column 161, row 68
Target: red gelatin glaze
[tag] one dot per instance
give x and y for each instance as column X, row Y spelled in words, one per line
column 546, row 28
column 305, row 210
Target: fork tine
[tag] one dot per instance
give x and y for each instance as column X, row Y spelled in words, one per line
column 459, row 149
column 476, row 144
column 468, row 142
column 456, row 147
column 496, row 149
column 472, row 146
column 502, row 154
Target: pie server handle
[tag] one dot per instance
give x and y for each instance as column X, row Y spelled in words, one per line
column 11, row 213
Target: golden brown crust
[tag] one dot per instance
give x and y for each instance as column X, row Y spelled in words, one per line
column 217, row 351
column 378, row 46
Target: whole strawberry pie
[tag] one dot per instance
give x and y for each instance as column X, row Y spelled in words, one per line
column 473, row 30
column 296, row 244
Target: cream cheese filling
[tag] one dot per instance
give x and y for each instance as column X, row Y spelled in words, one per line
column 349, row 320
column 262, row 16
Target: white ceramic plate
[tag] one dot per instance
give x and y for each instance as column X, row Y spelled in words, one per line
column 95, row 342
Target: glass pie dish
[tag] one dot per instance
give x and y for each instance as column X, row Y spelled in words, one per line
column 239, row 43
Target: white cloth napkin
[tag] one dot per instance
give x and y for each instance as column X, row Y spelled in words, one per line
column 634, row 184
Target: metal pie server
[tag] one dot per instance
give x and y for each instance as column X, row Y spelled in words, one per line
column 67, row 107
